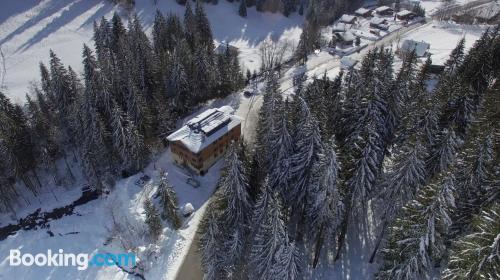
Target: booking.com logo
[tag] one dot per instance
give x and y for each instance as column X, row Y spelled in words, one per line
column 81, row 261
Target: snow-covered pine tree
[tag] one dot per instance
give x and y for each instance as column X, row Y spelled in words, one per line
column 268, row 241
column 204, row 76
column 153, row 220
column 169, row 203
column 203, row 27
column 234, row 191
column 309, row 148
column 190, row 26
column 325, row 208
column 235, row 208
column 212, row 254
column 46, row 83
column 160, row 36
column 417, row 236
column 94, row 150
column 143, row 65
column 177, row 82
column 401, row 182
column 477, row 254
column 289, row 262
column 61, row 88
column 268, row 115
column 477, row 179
column 309, row 40
column 260, row 207
column 456, row 58
column 281, row 149
column 443, row 152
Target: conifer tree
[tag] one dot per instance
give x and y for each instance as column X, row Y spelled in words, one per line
column 268, row 242
column 242, row 11
column 168, row 200
column 153, row 220
column 203, row 27
column 477, row 254
column 325, row 208
column 417, row 237
column 212, row 254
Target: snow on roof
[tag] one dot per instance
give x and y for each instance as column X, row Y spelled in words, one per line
column 420, row 48
column 347, row 62
column 346, row 36
column 377, row 20
column 404, row 13
column 347, row 18
column 341, row 26
column 382, row 9
column 362, row 11
column 205, row 128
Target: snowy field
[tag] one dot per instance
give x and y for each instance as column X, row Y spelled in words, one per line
column 443, row 37
column 29, row 28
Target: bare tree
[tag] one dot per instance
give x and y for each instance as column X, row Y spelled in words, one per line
column 273, row 52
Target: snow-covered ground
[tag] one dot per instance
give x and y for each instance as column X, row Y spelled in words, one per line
column 444, row 36
column 29, row 28
column 93, row 228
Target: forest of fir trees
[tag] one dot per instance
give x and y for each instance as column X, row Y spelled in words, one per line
column 327, row 10
column 109, row 119
column 372, row 145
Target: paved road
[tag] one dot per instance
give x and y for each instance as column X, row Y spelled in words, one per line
column 191, row 266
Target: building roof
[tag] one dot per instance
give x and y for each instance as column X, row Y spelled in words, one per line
column 404, row 13
column 205, row 128
column 347, row 18
column 377, row 20
column 346, row 36
column 341, row 26
column 362, row 11
column 420, row 48
column 383, row 9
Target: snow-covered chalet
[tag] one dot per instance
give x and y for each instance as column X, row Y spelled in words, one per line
column 205, row 138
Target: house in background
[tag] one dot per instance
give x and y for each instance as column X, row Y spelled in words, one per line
column 363, row 12
column 405, row 15
column 420, row 48
column 379, row 23
column 341, row 27
column 384, row 11
column 205, row 138
column 350, row 19
column 345, row 39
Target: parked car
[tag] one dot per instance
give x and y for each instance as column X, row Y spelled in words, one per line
column 142, row 181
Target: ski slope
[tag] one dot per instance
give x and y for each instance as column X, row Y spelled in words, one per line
column 30, row 28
